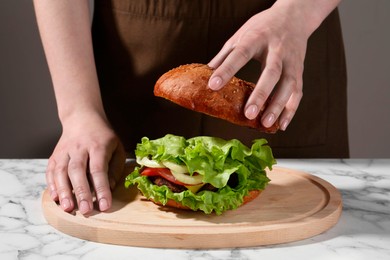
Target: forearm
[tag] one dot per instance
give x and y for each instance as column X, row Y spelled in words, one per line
column 312, row 12
column 66, row 36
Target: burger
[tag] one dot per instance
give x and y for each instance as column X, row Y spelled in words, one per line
column 202, row 173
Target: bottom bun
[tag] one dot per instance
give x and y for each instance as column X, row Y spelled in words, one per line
column 253, row 194
column 171, row 203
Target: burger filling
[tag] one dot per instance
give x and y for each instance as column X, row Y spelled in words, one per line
column 201, row 173
column 168, row 177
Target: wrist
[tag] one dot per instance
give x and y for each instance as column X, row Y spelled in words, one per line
column 78, row 97
column 83, row 116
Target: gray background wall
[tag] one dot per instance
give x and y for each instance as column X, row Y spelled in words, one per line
column 29, row 127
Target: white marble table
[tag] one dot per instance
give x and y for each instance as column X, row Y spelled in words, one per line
column 363, row 231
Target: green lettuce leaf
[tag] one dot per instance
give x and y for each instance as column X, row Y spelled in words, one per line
column 216, row 160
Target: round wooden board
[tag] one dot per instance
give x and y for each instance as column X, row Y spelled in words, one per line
column 294, row 206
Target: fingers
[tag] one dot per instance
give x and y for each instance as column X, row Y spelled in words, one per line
column 71, row 173
column 286, row 98
column 67, row 178
column 77, row 169
column 51, row 186
column 58, row 182
column 281, row 77
column 280, row 46
column 220, row 57
column 267, row 81
column 106, row 168
column 98, row 168
column 290, row 109
column 228, row 62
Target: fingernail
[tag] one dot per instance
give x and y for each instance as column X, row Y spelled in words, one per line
column 103, row 204
column 65, row 204
column 251, row 112
column 284, row 125
column 215, row 83
column 269, row 120
column 84, row 207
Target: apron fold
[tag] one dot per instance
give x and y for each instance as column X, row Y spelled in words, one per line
column 136, row 41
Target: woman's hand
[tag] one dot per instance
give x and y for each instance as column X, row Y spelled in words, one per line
column 277, row 38
column 88, row 159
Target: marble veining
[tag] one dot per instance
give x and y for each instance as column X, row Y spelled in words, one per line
column 363, row 231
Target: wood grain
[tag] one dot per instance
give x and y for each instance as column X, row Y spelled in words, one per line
column 295, row 206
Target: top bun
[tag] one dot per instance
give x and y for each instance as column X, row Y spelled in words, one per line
column 187, row 86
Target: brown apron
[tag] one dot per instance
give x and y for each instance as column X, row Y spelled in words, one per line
column 136, row 41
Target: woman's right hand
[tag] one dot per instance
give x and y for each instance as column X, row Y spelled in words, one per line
column 89, row 155
column 88, row 160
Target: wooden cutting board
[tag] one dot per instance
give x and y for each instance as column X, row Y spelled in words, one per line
column 294, row 206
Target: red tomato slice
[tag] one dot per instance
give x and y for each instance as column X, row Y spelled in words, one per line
column 163, row 172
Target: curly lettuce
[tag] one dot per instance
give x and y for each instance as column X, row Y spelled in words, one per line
column 216, row 160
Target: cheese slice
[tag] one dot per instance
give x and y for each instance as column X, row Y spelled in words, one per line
column 195, row 188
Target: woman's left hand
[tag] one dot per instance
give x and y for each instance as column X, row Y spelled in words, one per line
column 277, row 39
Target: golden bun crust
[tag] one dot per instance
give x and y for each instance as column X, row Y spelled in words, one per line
column 187, row 86
column 173, row 204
